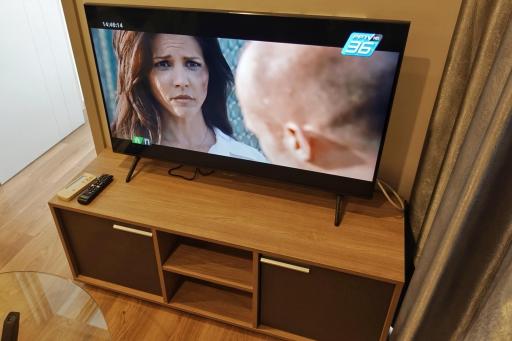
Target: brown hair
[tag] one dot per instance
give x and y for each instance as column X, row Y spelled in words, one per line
column 137, row 111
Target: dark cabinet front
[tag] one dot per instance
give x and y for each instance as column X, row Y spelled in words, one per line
column 111, row 251
column 321, row 304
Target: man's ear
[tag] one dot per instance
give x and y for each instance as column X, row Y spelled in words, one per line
column 296, row 141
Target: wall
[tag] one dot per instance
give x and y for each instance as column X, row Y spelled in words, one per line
column 432, row 24
column 39, row 90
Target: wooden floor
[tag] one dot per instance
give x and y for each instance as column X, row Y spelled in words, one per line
column 29, row 241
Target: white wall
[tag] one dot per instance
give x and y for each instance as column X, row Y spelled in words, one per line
column 40, row 97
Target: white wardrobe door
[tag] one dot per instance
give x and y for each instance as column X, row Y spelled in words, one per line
column 40, row 97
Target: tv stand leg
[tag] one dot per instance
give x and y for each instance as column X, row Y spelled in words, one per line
column 132, row 168
column 340, row 209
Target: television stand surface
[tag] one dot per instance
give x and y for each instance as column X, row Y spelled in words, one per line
column 254, row 253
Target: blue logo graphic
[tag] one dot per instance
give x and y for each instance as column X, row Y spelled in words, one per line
column 361, row 44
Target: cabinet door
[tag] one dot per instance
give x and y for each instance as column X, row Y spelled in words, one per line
column 321, row 304
column 101, row 249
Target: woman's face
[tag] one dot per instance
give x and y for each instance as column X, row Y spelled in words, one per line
column 179, row 74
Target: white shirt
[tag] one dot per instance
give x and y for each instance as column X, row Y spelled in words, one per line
column 228, row 146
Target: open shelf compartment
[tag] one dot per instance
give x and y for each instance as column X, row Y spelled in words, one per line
column 211, row 262
column 213, row 301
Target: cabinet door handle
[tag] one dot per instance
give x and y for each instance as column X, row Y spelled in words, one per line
column 130, row 230
column 284, row 265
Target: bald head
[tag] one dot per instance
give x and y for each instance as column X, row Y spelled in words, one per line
column 313, row 108
column 315, row 85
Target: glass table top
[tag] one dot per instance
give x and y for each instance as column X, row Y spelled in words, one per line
column 50, row 307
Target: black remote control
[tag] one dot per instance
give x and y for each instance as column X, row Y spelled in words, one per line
column 94, row 188
column 11, row 326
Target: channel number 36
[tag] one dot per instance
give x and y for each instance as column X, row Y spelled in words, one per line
column 361, row 44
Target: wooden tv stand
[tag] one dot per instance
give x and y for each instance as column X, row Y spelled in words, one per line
column 250, row 252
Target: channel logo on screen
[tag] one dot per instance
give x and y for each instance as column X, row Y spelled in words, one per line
column 141, row 140
column 361, row 44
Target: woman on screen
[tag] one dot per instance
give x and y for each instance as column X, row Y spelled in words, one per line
column 172, row 90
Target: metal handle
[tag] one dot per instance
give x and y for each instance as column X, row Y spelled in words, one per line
column 284, row 265
column 130, row 230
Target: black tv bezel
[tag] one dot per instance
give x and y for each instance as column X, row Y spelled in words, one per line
column 317, row 30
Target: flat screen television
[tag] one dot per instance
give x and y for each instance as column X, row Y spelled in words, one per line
column 304, row 99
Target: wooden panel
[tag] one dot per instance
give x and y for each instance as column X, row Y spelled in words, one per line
column 158, row 259
column 65, row 242
column 391, row 312
column 281, row 334
column 255, row 214
column 166, row 244
column 219, row 265
column 323, row 304
column 120, row 289
column 115, row 256
column 256, row 290
column 214, row 302
column 172, row 283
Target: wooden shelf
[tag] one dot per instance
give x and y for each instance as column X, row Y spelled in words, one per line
column 214, row 302
column 120, row 289
column 282, row 334
column 216, row 264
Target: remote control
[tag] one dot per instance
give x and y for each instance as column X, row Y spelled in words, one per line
column 11, row 326
column 94, row 189
column 76, row 186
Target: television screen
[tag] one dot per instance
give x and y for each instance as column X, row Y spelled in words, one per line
column 303, row 99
